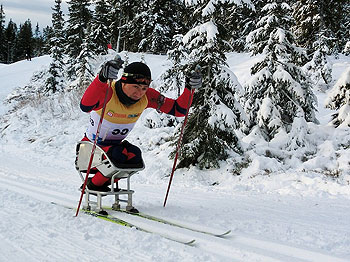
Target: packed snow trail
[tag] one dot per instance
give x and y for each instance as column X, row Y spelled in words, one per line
column 236, row 248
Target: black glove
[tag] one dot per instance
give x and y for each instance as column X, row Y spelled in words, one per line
column 194, row 80
column 110, row 69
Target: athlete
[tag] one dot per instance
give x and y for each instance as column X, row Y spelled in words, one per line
column 127, row 99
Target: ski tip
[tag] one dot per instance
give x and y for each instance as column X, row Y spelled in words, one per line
column 191, row 242
column 224, row 234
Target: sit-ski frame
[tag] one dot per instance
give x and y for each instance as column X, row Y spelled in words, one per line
column 103, row 164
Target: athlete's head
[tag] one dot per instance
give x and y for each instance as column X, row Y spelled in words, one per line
column 136, row 80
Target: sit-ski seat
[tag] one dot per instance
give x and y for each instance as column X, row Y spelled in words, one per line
column 105, row 165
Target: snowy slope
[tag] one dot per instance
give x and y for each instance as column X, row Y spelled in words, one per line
column 284, row 216
column 18, row 74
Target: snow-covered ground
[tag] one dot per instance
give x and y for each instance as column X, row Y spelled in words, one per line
column 287, row 215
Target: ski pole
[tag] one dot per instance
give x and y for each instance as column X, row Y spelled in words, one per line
column 178, row 147
column 94, row 146
column 180, row 140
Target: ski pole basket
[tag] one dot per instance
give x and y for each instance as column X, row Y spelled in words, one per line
column 108, row 168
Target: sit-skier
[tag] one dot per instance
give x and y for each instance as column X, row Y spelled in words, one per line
column 127, row 99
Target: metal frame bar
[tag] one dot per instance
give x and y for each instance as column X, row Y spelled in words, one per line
column 104, row 164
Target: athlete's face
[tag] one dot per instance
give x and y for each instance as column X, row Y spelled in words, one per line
column 134, row 91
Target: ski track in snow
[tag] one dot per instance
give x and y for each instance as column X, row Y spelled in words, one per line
column 265, row 227
column 72, row 238
column 237, row 247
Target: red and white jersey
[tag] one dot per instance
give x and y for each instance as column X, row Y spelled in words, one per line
column 119, row 119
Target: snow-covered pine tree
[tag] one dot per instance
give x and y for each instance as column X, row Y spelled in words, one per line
column 278, row 89
column 235, row 21
column 319, row 68
column 225, row 20
column 100, row 33
column 244, row 25
column 318, row 26
column 160, row 22
column 297, row 140
column 173, row 77
column 115, row 23
column 210, row 132
column 55, row 80
column 209, row 136
column 77, row 28
column 339, row 99
column 332, row 13
column 306, row 24
column 127, row 10
column 154, row 25
column 47, row 35
column 345, row 30
column 316, row 18
column 83, row 67
column 253, row 16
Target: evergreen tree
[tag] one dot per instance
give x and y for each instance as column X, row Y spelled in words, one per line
column 209, row 135
column 339, row 99
column 10, row 36
column 235, row 20
column 332, row 12
column 246, row 16
column 24, row 41
column 56, row 70
column 3, row 46
column 155, row 27
column 83, row 66
column 244, row 24
column 319, row 69
column 128, row 9
column 116, row 22
column 173, row 77
column 46, row 36
column 278, row 91
column 315, row 19
column 312, row 33
column 100, row 32
column 77, row 31
column 345, row 29
column 38, row 42
column 210, row 131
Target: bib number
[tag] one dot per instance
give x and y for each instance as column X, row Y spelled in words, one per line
column 122, row 132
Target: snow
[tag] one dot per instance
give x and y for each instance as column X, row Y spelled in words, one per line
column 209, row 29
column 344, row 79
column 288, row 211
column 341, row 92
column 18, row 74
column 210, row 7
